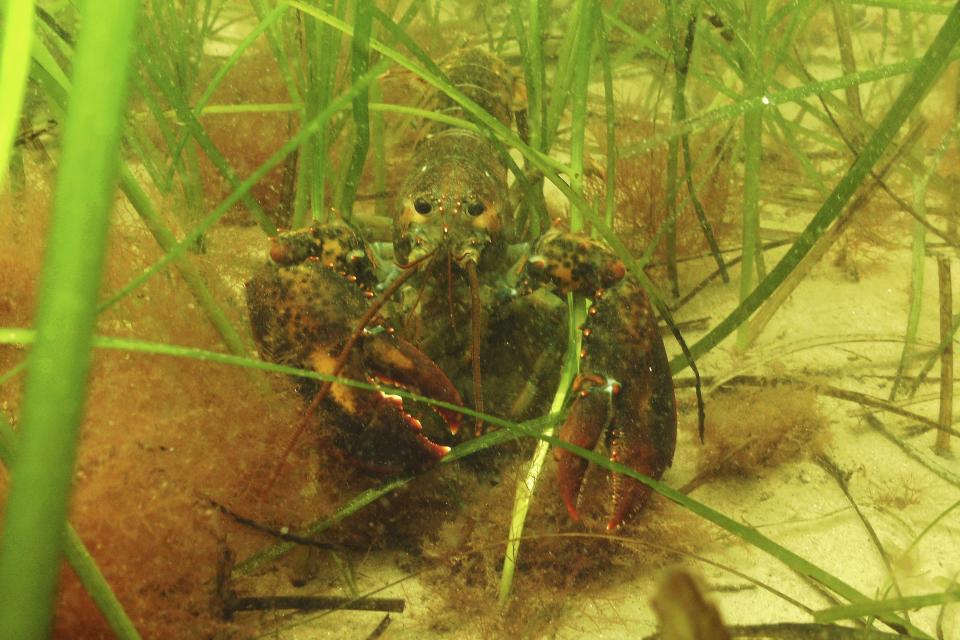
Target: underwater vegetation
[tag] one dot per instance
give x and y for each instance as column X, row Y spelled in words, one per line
column 596, row 222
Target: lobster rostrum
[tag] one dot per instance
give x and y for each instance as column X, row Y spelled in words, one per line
column 470, row 320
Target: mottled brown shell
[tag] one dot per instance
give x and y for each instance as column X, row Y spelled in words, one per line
column 573, row 262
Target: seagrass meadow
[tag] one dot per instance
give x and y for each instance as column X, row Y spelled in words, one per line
column 779, row 178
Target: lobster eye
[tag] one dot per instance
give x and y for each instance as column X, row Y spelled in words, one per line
column 476, row 208
column 422, row 206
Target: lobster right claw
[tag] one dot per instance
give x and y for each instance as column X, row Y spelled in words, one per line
column 625, row 389
column 586, row 422
column 379, row 430
column 396, row 362
column 626, row 392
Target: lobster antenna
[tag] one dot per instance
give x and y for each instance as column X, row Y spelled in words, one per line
column 475, row 340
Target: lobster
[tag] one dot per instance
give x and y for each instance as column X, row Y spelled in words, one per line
column 470, row 319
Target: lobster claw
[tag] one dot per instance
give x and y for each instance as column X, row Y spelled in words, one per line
column 586, row 422
column 379, row 430
column 639, row 433
column 625, row 391
column 400, row 364
column 302, row 308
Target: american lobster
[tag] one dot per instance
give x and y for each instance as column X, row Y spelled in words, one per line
column 470, row 319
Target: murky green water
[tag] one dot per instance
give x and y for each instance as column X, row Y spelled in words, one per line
column 504, row 200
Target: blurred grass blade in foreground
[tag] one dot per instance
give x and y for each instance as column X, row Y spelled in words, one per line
column 55, row 387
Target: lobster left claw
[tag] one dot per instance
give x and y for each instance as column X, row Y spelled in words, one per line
column 624, row 389
column 380, row 431
column 304, row 307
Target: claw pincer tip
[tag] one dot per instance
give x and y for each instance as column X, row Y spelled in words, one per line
column 587, row 420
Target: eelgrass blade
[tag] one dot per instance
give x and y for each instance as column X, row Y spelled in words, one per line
column 698, row 209
column 274, row 41
column 178, row 250
column 15, row 41
column 24, row 337
column 50, row 74
column 581, row 58
column 917, row 268
column 562, row 78
column 267, row 22
column 79, row 558
column 170, row 90
column 673, row 156
column 927, row 529
column 746, row 533
column 642, row 42
column 395, row 29
column 187, row 183
column 610, row 118
column 359, row 63
column 547, row 165
column 930, row 463
column 841, row 20
column 784, row 96
column 932, row 359
column 930, row 68
column 876, row 608
column 191, row 276
column 532, row 43
column 57, row 86
column 322, row 44
column 919, row 243
column 683, row 29
column 918, row 260
column 531, row 121
column 96, row 586
column 7, row 440
column 751, row 257
column 509, row 430
column 379, row 154
column 861, row 129
column 780, row 47
column 531, row 46
column 787, row 128
column 527, row 484
column 54, row 390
